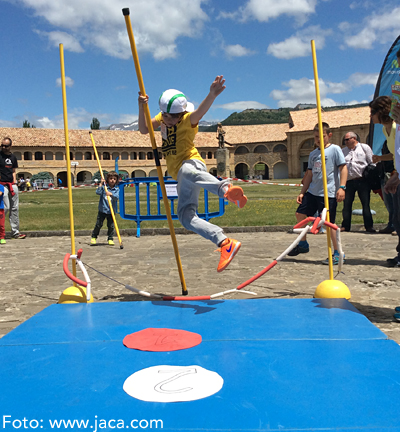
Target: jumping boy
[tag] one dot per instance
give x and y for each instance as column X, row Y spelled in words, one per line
column 2, row 217
column 311, row 197
column 179, row 124
column 104, row 209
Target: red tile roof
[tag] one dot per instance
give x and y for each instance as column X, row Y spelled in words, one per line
column 255, row 133
column 305, row 120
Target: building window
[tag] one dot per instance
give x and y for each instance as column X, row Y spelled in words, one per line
column 209, row 155
column 150, row 156
column 203, row 155
column 308, row 144
column 106, row 156
column 78, row 156
column 124, row 156
column 27, row 156
column 88, row 156
column 38, row 156
column 133, row 155
column 18, row 155
column 261, row 149
column 241, row 150
column 115, row 155
column 60, row 156
column 142, row 156
column 280, row 148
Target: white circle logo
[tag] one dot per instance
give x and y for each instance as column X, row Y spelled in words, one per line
column 173, row 383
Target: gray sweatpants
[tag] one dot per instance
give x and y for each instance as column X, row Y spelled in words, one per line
column 192, row 177
column 11, row 204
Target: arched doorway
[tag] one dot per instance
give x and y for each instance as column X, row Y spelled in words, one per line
column 138, row 173
column 62, row 175
column 241, row 171
column 84, row 177
column 261, row 171
column 281, row 171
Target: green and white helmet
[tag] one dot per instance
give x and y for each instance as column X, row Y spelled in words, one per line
column 174, row 102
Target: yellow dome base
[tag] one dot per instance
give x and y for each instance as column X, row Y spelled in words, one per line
column 74, row 294
column 332, row 289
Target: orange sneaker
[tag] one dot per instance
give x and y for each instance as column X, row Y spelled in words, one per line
column 229, row 248
column 235, row 194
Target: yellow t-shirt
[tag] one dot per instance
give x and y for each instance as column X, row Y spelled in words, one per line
column 390, row 139
column 178, row 143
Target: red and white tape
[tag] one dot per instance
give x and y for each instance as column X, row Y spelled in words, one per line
column 260, row 182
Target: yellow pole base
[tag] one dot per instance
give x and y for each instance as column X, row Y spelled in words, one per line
column 332, row 289
column 74, row 294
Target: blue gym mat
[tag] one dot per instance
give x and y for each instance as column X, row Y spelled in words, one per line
column 287, row 365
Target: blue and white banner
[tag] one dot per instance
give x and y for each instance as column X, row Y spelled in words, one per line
column 389, row 73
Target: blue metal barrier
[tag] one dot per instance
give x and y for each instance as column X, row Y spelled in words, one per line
column 170, row 186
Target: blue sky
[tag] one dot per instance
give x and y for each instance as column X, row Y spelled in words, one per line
column 262, row 47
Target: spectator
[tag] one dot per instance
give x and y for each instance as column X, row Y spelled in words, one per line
column 104, row 208
column 357, row 156
column 311, row 197
column 386, row 160
column 59, row 182
column 2, row 217
column 8, row 178
column 28, row 184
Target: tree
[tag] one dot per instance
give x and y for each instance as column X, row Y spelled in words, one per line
column 26, row 124
column 95, row 124
column 42, row 176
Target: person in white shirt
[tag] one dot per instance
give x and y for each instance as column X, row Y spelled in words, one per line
column 357, row 157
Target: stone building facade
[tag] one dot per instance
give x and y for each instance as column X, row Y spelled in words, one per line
column 257, row 151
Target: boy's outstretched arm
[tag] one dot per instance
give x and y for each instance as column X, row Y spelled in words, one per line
column 142, row 119
column 217, row 87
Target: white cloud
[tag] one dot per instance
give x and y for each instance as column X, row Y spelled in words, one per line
column 358, row 79
column 242, row 105
column 237, row 51
column 100, row 24
column 380, row 28
column 264, row 10
column 69, row 42
column 299, row 44
column 10, row 123
column 69, row 82
column 303, row 90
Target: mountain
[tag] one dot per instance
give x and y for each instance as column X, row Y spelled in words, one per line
column 122, row 126
column 134, row 126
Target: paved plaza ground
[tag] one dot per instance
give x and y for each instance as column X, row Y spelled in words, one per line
column 33, row 278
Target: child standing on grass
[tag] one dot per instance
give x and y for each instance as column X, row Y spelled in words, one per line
column 311, row 197
column 104, row 209
column 179, row 124
column 2, row 217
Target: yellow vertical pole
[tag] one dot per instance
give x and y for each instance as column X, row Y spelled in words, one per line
column 121, row 246
column 71, row 212
column 321, row 140
column 155, row 150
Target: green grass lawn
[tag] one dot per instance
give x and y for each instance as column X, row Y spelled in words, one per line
column 267, row 205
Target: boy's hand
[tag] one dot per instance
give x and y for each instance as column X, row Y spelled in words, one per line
column 299, row 199
column 340, row 195
column 392, row 183
column 396, row 113
column 376, row 159
column 217, row 87
column 143, row 99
